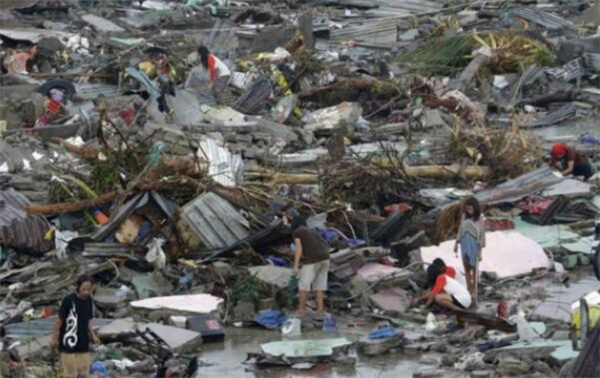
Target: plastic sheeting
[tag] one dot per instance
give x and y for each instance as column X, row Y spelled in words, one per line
column 507, row 253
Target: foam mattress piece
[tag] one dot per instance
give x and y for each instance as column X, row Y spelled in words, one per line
column 195, row 303
column 507, row 253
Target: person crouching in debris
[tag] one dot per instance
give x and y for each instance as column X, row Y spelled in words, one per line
column 315, row 255
column 73, row 329
column 210, row 68
column 471, row 237
column 570, row 162
column 446, row 291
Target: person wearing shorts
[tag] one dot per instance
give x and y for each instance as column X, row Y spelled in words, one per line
column 73, row 330
column 471, row 238
column 446, row 291
column 315, row 256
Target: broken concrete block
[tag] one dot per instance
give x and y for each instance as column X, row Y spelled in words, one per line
column 391, row 299
column 380, row 346
column 467, row 17
column 433, row 118
column 273, row 275
column 244, row 310
column 118, row 330
column 180, row 340
column 409, row 35
column 151, row 285
column 266, row 304
column 468, row 334
column 570, row 262
column 511, row 366
column 344, row 115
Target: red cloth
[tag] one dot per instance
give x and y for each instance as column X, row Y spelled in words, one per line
column 557, row 151
column 561, row 151
column 440, row 282
column 535, row 205
column 450, row 271
column 498, row 224
column 401, row 207
column 212, row 67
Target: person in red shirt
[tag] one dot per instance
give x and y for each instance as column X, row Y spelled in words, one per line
column 570, row 162
column 446, row 291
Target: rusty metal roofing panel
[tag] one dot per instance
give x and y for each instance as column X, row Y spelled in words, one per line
column 546, row 19
column 215, row 221
column 12, row 206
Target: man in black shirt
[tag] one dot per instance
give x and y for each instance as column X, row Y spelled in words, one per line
column 73, row 329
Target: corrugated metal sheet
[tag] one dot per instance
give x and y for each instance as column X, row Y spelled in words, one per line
column 28, row 235
column 17, row 4
column 223, row 167
column 587, row 364
column 17, row 229
column 12, row 206
column 546, row 19
column 35, row 35
column 514, row 190
column 409, row 6
column 215, row 221
column 592, row 61
column 41, row 327
column 255, row 96
column 570, row 71
column 380, row 31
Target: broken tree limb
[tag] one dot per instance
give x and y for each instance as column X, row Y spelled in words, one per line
column 88, row 153
column 449, row 171
column 430, row 171
column 71, row 207
column 346, row 84
column 469, row 73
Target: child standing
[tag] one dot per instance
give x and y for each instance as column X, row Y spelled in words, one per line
column 471, row 237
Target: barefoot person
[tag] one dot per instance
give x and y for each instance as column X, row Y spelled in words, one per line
column 73, row 329
column 471, row 237
column 315, row 256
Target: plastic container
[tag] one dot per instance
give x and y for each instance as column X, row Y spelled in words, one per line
column 430, row 323
column 329, row 324
column 292, row 327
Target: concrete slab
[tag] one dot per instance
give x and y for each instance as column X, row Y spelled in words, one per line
column 370, row 347
column 118, row 329
column 546, row 236
column 151, row 285
column 561, row 351
column 304, row 348
column 180, row 340
column 391, row 299
column 274, row 275
column 376, row 272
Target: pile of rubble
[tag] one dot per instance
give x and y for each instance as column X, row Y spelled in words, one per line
column 372, row 119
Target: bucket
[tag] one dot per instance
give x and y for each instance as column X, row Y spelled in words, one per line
column 291, row 327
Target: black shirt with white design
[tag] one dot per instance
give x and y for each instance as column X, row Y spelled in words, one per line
column 74, row 334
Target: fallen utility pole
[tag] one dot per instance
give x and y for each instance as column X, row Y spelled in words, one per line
column 73, row 74
column 431, row 171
